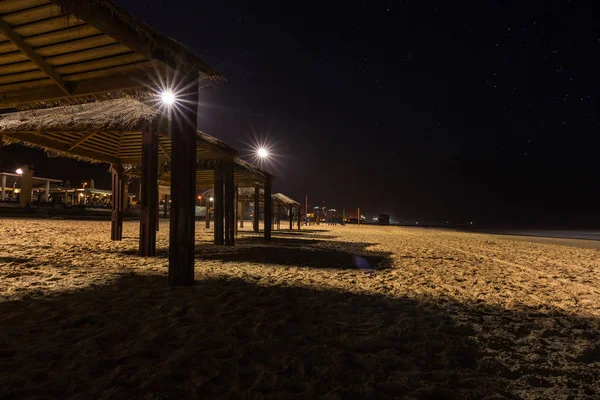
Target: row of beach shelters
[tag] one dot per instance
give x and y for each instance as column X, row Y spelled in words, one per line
column 246, row 197
column 83, row 79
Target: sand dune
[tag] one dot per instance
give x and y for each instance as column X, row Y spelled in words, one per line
column 330, row 312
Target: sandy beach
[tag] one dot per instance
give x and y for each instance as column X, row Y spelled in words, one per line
column 327, row 312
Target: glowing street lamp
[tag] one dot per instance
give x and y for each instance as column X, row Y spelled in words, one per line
column 211, row 199
column 19, row 171
column 262, row 152
column 167, row 97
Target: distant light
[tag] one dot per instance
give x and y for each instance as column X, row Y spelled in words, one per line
column 211, row 199
column 262, row 152
column 167, row 97
column 199, row 197
column 19, row 171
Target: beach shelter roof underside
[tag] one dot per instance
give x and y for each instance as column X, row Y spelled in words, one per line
column 245, row 175
column 107, row 131
column 59, row 50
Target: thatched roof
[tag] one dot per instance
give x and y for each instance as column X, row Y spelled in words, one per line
column 121, row 115
column 62, row 50
column 247, row 194
column 107, row 131
column 285, row 200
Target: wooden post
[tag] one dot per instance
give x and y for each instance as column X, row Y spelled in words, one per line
column 229, row 203
column 157, row 208
column 183, row 185
column 207, row 214
column 47, row 192
column 3, row 193
column 165, row 210
column 268, row 207
column 118, row 188
column 218, row 204
column 279, row 210
column 236, row 211
column 26, row 187
column 298, row 215
column 256, row 208
column 291, row 217
column 125, row 197
column 149, row 198
column 359, row 217
column 242, row 213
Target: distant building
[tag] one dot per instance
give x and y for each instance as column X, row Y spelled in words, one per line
column 384, row 219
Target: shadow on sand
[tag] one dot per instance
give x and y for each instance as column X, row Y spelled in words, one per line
column 230, row 338
column 138, row 338
column 280, row 250
column 299, row 252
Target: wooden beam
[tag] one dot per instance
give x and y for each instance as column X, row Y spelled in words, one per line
column 33, row 56
column 83, row 139
column 161, row 147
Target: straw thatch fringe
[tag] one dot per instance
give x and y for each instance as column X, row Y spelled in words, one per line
column 141, row 94
column 285, row 200
column 113, row 115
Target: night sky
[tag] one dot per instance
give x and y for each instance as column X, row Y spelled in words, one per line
column 478, row 111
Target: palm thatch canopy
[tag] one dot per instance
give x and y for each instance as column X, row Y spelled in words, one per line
column 247, row 194
column 53, row 50
column 105, row 131
column 285, row 200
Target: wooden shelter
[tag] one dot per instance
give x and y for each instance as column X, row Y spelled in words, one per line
column 68, row 52
column 256, row 195
column 282, row 201
column 210, row 173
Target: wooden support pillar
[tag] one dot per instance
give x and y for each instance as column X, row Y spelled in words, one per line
column 242, row 213
column 236, row 211
column 183, row 184
column 149, row 189
column 26, row 187
column 3, row 193
column 125, row 197
column 256, row 208
column 229, row 204
column 218, row 204
column 47, row 192
column 157, row 209
column 118, row 189
column 278, row 217
column 207, row 214
column 166, row 208
column 268, row 207
column 291, row 217
column 298, row 215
